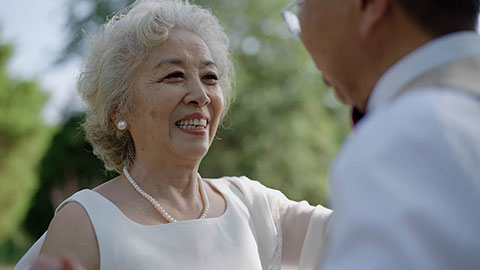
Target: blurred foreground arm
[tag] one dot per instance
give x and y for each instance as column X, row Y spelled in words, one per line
column 66, row 262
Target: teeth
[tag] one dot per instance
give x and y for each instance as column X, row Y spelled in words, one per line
column 192, row 124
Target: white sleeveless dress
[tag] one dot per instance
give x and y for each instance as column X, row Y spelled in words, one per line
column 238, row 239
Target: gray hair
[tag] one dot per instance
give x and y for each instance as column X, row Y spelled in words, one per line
column 117, row 51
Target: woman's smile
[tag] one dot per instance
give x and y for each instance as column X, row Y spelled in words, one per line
column 195, row 124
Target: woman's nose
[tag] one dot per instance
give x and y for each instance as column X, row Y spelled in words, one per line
column 197, row 94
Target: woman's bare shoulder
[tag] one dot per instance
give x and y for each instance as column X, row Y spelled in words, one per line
column 71, row 232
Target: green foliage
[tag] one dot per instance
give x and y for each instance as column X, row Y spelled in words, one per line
column 13, row 247
column 23, row 137
column 67, row 166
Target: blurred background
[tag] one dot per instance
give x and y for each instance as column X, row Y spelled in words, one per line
column 283, row 128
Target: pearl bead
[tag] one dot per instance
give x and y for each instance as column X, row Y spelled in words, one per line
column 122, row 125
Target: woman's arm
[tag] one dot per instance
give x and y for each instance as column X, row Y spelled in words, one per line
column 287, row 232
column 304, row 229
column 71, row 233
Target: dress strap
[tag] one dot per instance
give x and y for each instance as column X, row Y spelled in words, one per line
column 98, row 208
column 103, row 214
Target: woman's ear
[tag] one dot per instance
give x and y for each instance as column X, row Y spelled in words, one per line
column 118, row 118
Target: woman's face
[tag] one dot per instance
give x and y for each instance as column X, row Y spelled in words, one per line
column 177, row 101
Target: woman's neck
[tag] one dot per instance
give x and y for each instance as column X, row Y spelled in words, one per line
column 173, row 184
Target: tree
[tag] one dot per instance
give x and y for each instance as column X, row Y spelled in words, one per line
column 22, row 142
column 279, row 129
column 67, row 166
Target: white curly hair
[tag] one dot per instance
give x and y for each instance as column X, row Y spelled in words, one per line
column 117, row 51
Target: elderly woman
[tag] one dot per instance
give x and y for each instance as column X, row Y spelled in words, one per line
column 157, row 83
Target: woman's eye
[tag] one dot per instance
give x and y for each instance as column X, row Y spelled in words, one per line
column 175, row 76
column 211, row 78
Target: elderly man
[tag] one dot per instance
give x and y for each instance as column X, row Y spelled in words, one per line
column 406, row 184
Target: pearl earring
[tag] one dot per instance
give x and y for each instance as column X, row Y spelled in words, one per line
column 122, row 125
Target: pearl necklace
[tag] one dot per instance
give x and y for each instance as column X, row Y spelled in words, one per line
column 158, row 207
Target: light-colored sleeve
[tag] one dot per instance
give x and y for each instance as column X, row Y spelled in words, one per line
column 303, row 230
column 300, row 229
column 402, row 199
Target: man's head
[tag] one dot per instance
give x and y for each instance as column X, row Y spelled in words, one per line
column 441, row 17
column 353, row 42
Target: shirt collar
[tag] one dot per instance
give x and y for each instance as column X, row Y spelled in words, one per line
column 456, row 46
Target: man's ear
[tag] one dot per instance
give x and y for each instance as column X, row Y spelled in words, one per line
column 373, row 12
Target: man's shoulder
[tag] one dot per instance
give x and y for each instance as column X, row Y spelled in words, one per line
column 411, row 115
column 426, row 111
column 427, row 118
